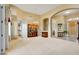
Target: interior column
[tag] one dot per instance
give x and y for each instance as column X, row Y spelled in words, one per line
column 49, row 27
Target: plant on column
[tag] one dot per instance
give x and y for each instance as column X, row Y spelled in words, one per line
column 65, row 32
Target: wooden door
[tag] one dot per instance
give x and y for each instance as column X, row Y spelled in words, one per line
column 72, row 27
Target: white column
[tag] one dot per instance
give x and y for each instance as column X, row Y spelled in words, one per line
column 49, row 27
column 7, row 15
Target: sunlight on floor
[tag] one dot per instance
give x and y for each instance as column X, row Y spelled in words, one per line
column 15, row 43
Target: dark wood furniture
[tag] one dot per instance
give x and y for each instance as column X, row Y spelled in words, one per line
column 32, row 30
column 60, row 34
column 32, row 34
column 44, row 34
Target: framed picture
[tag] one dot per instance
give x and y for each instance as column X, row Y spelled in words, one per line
column 60, row 27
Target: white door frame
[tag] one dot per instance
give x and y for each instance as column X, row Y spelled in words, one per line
column 2, row 29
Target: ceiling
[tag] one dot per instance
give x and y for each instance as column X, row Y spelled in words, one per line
column 69, row 12
column 37, row 8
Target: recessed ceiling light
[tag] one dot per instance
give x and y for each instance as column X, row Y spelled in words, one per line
column 67, row 12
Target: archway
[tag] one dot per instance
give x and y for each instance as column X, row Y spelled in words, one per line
column 65, row 23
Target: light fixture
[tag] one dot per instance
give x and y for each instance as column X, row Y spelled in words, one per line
column 73, row 19
column 67, row 12
column 77, row 18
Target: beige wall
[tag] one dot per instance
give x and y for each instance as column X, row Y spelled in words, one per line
column 22, row 15
column 58, row 20
column 14, row 27
column 57, row 9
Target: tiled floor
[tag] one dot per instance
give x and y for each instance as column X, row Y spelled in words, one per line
column 73, row 39
column 45, row 46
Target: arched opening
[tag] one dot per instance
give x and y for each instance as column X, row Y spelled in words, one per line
column 65, row 24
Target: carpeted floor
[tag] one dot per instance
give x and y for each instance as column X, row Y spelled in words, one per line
column 45, row 46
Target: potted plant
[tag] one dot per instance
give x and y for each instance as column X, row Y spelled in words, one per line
column 65, row 32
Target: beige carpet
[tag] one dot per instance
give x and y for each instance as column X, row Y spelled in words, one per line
column 46, row 46
column 15, row 43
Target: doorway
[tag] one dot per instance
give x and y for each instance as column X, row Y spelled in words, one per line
column 72, row 28
column 68, row 18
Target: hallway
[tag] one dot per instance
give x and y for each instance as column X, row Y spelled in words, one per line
column 45, row 46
